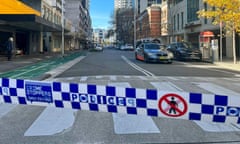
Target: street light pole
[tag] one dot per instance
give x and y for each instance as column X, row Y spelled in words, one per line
column 221, row 37
column 62, row 30
column 134, row 12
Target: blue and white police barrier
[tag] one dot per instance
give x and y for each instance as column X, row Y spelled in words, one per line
column 149, row 102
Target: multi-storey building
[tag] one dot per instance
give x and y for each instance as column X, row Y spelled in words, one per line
column 148, row 23
column 141, row 5
column 119, row 4
column 35, row 25
column 77, row 11
column 99, row 35
column 179, row 21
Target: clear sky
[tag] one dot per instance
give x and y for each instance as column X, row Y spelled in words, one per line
column 100, row 11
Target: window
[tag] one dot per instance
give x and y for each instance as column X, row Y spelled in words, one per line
column 182, row 20
column 192, row 8
column 174, row 23
column 177, row 21
column 205, row 8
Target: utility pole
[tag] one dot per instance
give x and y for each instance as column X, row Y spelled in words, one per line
column 62, row 29
column 134, row 12
column 221, row 37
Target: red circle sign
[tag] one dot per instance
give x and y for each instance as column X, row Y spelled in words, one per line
column 170, row 104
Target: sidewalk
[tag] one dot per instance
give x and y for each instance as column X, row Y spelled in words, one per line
column 228, row 64
column 24, row 60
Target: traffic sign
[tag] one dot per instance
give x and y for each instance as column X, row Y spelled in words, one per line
column 172, row 105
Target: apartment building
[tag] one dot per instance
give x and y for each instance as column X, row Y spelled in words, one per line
column 99, row 35
column 120, row 4
column 77, row 11
column 141, row 5
column 148, row 23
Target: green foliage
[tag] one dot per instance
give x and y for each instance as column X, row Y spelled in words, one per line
column 226, row 11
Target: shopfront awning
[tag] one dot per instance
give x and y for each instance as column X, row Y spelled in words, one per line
column 206, row 34
column 18, row 16
column 16, row 7
column 28, row 22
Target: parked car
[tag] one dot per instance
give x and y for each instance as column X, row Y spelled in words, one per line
column 127, row 47
column 153, row 52
column 98, row 48
column 185, row 51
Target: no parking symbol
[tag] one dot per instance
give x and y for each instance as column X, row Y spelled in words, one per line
column 172, row 105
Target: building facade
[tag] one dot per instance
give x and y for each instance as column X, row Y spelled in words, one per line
column 185, row 25
column 77, row 11
column 36, row 26
column 99, row 36
column 141, row 5
column 148, row 24
column 179, row 21
column 38, row 30
column 120, row 4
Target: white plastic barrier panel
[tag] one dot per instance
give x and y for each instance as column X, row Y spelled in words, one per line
column 149, row 102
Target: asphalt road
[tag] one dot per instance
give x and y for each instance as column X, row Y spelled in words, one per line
column 32, row 124
column 115, row 62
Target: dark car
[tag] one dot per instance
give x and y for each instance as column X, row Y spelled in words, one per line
column 153, row 52
column 185, row 51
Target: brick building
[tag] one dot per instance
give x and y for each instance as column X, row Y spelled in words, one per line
column 148, row 25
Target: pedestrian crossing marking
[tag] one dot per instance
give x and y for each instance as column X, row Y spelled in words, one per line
column 51, row 121
column 130, row 124
column 216, row 89
column 215, row 127
column 82, row 79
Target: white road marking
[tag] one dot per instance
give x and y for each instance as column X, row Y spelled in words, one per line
column 143, row 77
column 99, row 77
column 216, row 89
column 127, row 77
column 113, row 78
column 51, row 121
column 147, row 73
column 165, row 86
column 215, row 127
column 173, row 78
column 132, row 124
column 84, row 78
column 17, row 75
column 232, row 79
column 55, row 72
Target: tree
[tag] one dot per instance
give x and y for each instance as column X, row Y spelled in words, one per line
column 227, row 12
column 111, row 30
column 124, row 25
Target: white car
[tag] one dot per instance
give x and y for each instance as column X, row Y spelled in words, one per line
column 127, row 47
column 98, row 48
